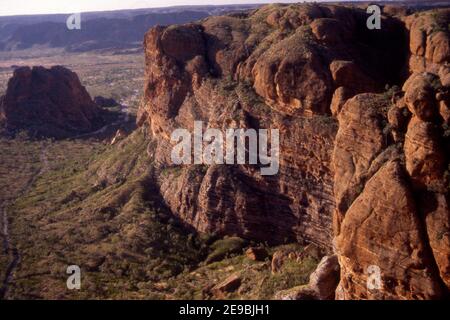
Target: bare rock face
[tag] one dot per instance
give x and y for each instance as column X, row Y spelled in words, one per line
column 382, row 228
column 348, row 74
column 392, row 195
column 340, row 96
column 322, row 283
column 330, row 31
column 420, row 95
column 425, row 156
column 354, row 155
column 437, row 221
column 48, row 102
column 291, row 79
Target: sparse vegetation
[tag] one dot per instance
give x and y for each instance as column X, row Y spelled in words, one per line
column 91, row 205
column 440, row 22
column 258, row 281
column 224, row 248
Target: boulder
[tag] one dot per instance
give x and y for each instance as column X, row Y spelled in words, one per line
column 348, row 74
column 230, row 284
column 256, row 253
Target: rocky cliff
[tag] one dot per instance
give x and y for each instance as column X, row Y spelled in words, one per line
column 363, row 118
column 48, row 102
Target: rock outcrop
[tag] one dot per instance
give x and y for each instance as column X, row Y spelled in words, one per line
column 392, row 193
column 429, row 42
column 48, row 102
column 271, row 68
column 392, row 189
column 363, row 171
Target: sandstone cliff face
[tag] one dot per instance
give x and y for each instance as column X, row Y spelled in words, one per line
column 364, row 167
column 272, row 68
column 392, row 187
column 48, row 102
column 392, row 197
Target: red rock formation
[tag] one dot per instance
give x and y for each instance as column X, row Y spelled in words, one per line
column 286, row 67
column 429, row 40
column 392, row 199
column 382, row 228
column 236, row 71
column 48, row 102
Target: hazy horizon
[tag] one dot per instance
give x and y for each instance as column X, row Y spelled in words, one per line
column 32, row 7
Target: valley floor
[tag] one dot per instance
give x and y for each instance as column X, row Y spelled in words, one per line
column 60, row 209
column 82, row 201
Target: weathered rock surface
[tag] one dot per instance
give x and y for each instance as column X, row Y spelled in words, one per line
column 48, row 102
column 436, row 208
column 382, row 228
column 425, row 156
column 354, row 154
column 420, row 95
column 394, row 216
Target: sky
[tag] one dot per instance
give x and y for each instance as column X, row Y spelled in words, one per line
column 18, row 7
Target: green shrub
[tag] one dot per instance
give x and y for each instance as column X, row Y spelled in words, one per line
column 224, row 248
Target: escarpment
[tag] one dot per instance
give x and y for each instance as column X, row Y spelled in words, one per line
column 363, row 169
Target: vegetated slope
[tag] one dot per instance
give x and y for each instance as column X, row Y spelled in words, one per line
column 95, row 206
column 364, row 155
column 92, row 208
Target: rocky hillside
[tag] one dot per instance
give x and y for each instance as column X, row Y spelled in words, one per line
column 364, row 135
column 48, row 102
